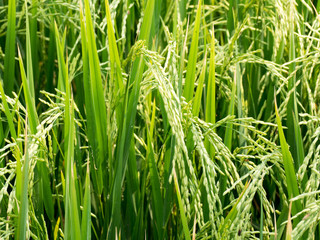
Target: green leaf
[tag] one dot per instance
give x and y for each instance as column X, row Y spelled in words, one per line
column 192, row 60
column 86, row 215
column 210, row 114
column 233, row 213
column 116, row 72
column 24, row 202
column 198, row 96
column 181, row 208
column 9, row 59
column 97, row 91
column 292, row 184
column 154, row 178
column 126, row 130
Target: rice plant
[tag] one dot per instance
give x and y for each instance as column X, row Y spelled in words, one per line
column 149, row 119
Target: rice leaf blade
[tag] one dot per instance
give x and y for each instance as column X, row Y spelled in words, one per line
column 192, row 59
column 9, row 59
column 210, row 113
column 126, row 131
column 24, row 202
column 198, row 96
column 181, row 208
column 291, row 179
column 86, row 215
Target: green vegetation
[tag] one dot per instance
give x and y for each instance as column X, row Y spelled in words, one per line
column 149, row 119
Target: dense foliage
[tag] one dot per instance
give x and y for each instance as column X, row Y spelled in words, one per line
column 159, row 119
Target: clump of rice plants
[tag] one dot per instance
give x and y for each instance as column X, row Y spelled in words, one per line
column 149, row 119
